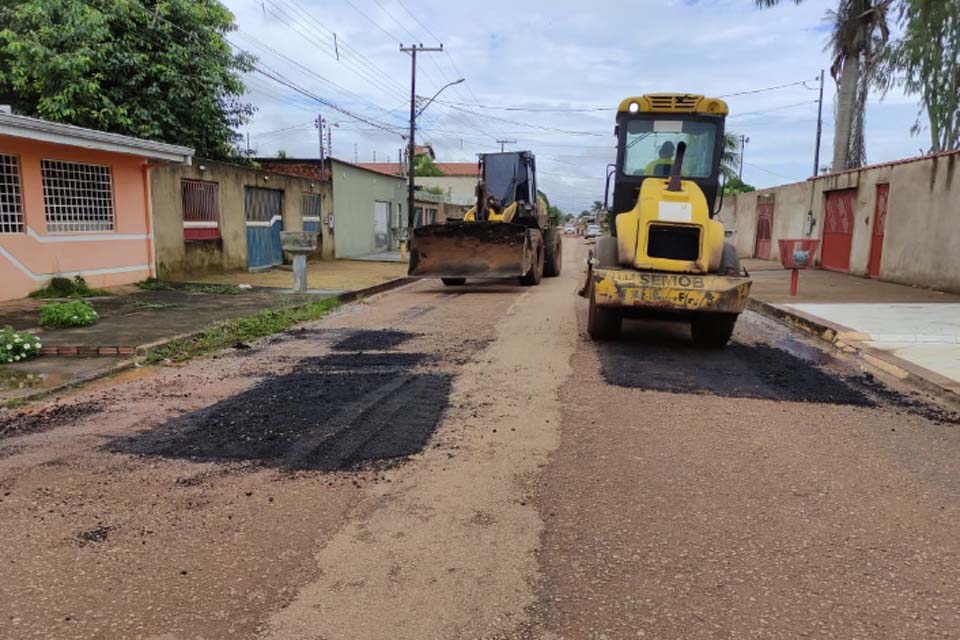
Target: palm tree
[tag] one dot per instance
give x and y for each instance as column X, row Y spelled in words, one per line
column 730, row 160
column 859, row 34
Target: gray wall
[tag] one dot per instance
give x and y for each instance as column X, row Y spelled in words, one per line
column 177, row 258
column 921, row 244
column 355, row 192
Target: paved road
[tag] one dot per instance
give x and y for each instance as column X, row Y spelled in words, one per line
column 463, row 463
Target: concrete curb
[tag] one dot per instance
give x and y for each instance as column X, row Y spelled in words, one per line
column 141, row 351
column 852, row 343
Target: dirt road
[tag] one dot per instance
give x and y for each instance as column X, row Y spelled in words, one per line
column 462, row 463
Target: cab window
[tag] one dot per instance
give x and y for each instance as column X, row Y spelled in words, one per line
column 651, row 146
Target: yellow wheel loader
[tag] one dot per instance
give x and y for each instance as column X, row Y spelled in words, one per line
column 666, row 255
column 507, row 234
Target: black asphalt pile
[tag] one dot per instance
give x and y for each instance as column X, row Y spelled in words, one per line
column 365, row 340
column 15, row 423
column 738, row 371
column 330, row 413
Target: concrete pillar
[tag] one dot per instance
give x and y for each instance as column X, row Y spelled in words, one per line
column 300, row 273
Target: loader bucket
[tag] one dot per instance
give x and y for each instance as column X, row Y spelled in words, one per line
column 470, row 250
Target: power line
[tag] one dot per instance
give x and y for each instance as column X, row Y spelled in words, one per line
column 780, row 108
column 774, row 88
column 531, row 109
column 773, row 173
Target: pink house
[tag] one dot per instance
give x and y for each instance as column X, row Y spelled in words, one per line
column 75, row 201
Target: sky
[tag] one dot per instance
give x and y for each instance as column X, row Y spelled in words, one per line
column 549, row 75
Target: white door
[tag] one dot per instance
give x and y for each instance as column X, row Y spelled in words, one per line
column 381, row 225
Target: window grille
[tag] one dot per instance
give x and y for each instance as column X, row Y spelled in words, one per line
column 77, row 196
column 201, row 209
column 11, row 201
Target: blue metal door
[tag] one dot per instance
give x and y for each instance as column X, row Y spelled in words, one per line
column 264, row 212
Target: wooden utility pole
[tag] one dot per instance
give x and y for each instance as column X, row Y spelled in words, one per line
column 411, row 142
column 816, row 153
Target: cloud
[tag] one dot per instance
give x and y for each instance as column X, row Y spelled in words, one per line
column 551, row 55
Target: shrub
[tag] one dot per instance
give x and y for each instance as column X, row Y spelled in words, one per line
column 78, row 313
column 66, row 288
column 16, row 346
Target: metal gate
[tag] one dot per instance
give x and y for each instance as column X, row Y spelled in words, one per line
column 764, row 229
column 879, row 224
column 838, row 230
column 264, row 212
column 310, row 210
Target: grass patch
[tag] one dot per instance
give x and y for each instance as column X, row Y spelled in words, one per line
column 152, row 284
column 67, row 288
column 243, row 329
column 143, row 305
column 76, row 313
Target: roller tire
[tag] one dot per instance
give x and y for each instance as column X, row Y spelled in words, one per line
column 712, row 330
column 453, row 282
column 730, row 261
column 553, row 253
column 602, row 324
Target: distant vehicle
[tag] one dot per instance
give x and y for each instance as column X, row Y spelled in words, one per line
column 593, row 230
column 570, row 229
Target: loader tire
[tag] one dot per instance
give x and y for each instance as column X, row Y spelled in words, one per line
column 602, row 324
column 453, row 282
column 553, row 253
column 712, row 330
column 533, row 277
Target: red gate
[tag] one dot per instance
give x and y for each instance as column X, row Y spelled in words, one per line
column 879, row 223
column 764, row 229
column 838, row 230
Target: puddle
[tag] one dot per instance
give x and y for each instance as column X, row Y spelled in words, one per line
column 11, row 380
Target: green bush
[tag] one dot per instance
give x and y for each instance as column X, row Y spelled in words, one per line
column 66, row 288
column 16, row 346
column 78, row 313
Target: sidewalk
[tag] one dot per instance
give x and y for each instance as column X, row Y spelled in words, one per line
column 913, row 331
column 133, row 318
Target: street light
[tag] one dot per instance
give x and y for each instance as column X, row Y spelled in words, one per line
column 449, row 84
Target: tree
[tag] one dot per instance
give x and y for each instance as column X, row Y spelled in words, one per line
column 281, row 154
column 735, row 185
column 156, row 69
column 730, row 159
column 926, row 61
column 425, row 168
column 859, row 33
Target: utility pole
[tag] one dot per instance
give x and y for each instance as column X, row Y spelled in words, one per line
column 501, row 143
column 816, row 153
column 330, row 139
column 411, row 149
column 318, row 123
column 743, row 145
column 356, row 153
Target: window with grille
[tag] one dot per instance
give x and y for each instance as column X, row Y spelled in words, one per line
column 201, row 209
column 11, row 201
column 77, row 196
column 310, row 212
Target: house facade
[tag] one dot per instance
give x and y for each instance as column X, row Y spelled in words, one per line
column 896, row 221
column 367, row 207
column 458, row 182
column 75, row 201
column 214, row 216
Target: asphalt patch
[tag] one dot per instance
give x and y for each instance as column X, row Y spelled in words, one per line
column 738, row 371
column 365, row 340
column 336, row 412
column 93, row 536
column 17, row 423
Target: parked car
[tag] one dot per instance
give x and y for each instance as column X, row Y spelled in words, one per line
column 593, row 230
column 570, row 229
